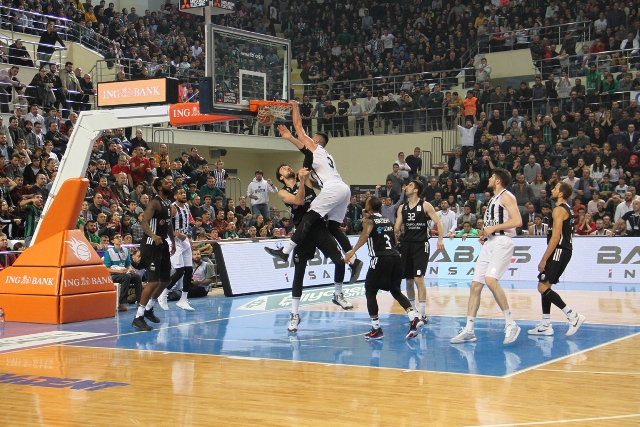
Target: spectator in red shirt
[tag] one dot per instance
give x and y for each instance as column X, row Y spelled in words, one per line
column 220, row 223
column 139, row 166
column 122, row 167
column 597, row 46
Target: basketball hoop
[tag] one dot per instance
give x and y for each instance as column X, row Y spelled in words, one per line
column 269, row 111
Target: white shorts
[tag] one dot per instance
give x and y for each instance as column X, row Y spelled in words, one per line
column 332, row 202
column 183, row 256
column 494, row 259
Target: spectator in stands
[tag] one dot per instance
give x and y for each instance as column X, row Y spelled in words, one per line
column 117, row 259
column 71, row 89
column 47, row 42
column 18, row 54
column 448, row 218
column 258, row 191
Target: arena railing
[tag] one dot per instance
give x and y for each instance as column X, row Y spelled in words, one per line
column 543, row 67
column 66, row 28
column 59, row 56
column 556, row 33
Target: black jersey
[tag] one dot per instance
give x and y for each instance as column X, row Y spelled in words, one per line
column 159, row 223
column 297, row 211
column 415, row 223
column 633, row 223
column 381, row 239
column 566, row 238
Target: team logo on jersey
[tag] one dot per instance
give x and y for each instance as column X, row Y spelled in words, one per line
column 161, row 222
column 419, row 208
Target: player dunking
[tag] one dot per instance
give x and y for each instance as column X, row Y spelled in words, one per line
column 555, row 260
column 297, row 196
column 414, row 214
column 182, row 260
column 385, row 270
column 155, row 252
column 500, row 221
column 334, row 196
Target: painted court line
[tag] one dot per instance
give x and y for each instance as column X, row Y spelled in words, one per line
column 530, row 368
column 43, row 339
column 250, row 358
column 572, row 371
column 567, row 421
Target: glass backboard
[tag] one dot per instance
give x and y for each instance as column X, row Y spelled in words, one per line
column 247, row 66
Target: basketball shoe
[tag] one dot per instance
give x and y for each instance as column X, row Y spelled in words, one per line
column 294, row 321
column 374, row 334
column 574, row 324
column 541, row 329
column 338, row 299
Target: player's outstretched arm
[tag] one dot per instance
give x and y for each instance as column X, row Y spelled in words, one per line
column 297, row 124
column 398, row 224
column 286, row 134
column 435, row 218
column 367, row 226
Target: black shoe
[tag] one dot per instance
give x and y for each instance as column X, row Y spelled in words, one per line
column 374, row 334
column 141, row 325
column 149, row 315
column 356, row 268
column 277, row 253
column 413, row 328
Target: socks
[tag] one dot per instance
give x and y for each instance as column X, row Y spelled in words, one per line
column 338, row 289
column 140, row 312
column 423, row 308
column 184, row 296
column 470, row 323
column 413, row 303
column 508, row 318
column 289, row 247
column 295, row 305
column 375, row 323
column 150, row 304
column 546, row 319
column 570, row 313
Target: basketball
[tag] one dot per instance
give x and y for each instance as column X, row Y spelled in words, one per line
column 266, row 117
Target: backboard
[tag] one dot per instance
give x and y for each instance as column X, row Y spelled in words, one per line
column 246, row 66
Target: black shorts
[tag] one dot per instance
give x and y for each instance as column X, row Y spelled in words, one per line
column 415, row 258
column 157, row 261
column 319, row 237
column 555, row 266
column 384, row 273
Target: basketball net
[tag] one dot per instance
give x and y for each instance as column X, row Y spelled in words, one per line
column 280, row 111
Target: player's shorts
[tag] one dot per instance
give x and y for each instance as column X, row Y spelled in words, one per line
column 183, row 256
column 494, row 259
column 415, row 258
column 332, row 202
column 156, row 261
column 318, row 237
column 555, row 266
column 384, row 273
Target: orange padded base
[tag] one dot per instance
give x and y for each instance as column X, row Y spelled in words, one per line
column 97, row 305
column 31, row 308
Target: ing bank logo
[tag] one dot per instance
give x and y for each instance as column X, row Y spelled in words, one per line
column 79, row 248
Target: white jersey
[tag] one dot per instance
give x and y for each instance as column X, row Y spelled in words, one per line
column 324, row 168
column 181, row 218
column 498, row 214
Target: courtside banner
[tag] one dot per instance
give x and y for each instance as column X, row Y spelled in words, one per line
column 137, row 92
column 245, row 267
column 188, row 113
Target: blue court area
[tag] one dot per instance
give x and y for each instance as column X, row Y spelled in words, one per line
column 255, row 326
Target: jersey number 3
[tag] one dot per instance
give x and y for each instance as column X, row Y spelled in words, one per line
column 330, row 160
column 387, row 241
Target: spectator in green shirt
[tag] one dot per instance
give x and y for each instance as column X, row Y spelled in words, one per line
column 33, row 209
column 594, row 82
column 91, row 233
column 467, row 231
column 210, row 189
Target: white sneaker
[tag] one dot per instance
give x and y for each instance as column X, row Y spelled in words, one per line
column 463, row 336
column 574, row 324
column 184, row 304
column 338, row 299
column 294, row 321
column 541, row 329
column 162, row 302
column 511, row 332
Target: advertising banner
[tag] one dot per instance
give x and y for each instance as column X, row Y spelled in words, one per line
column 188, row 113
column 136, row 92
column 246, row 268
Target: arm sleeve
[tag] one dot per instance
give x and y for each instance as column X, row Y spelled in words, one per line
column 308, row 158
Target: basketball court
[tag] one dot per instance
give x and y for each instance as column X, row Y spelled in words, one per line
column 232, row 362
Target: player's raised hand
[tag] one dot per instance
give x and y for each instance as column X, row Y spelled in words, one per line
column 294, row 103
column 303, row 173
column 284, row 131
column 378, row 186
